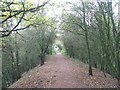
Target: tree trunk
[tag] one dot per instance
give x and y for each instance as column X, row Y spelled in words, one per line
column 87, row 42
column 42, row 59
column 17, row 57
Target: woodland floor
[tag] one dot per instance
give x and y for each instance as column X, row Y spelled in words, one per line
column 62, row 72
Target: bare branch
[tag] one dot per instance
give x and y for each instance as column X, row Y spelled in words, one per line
column 20, row 11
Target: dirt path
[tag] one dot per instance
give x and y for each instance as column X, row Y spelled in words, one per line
column 65, row 73
column 61, row 72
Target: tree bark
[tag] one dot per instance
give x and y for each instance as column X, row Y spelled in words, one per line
column 87, row 42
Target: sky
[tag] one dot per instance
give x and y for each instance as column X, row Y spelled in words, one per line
column 55, row 10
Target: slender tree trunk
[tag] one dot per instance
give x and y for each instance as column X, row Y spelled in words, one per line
column 42, row 59
column 13, row 74
column 87, row 42
column 17, row 57
column 12, row 60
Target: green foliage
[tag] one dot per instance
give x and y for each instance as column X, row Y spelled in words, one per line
column 53, row 52
column 26, row 49
column 63, row 51
column 99, row 23
column 18, row 15
column 27, row 37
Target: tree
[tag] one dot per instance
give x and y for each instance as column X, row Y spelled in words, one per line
column 98, row 24
column 10, row 12
column 24, row 49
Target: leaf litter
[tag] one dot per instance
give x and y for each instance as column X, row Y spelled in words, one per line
column 63, row 72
